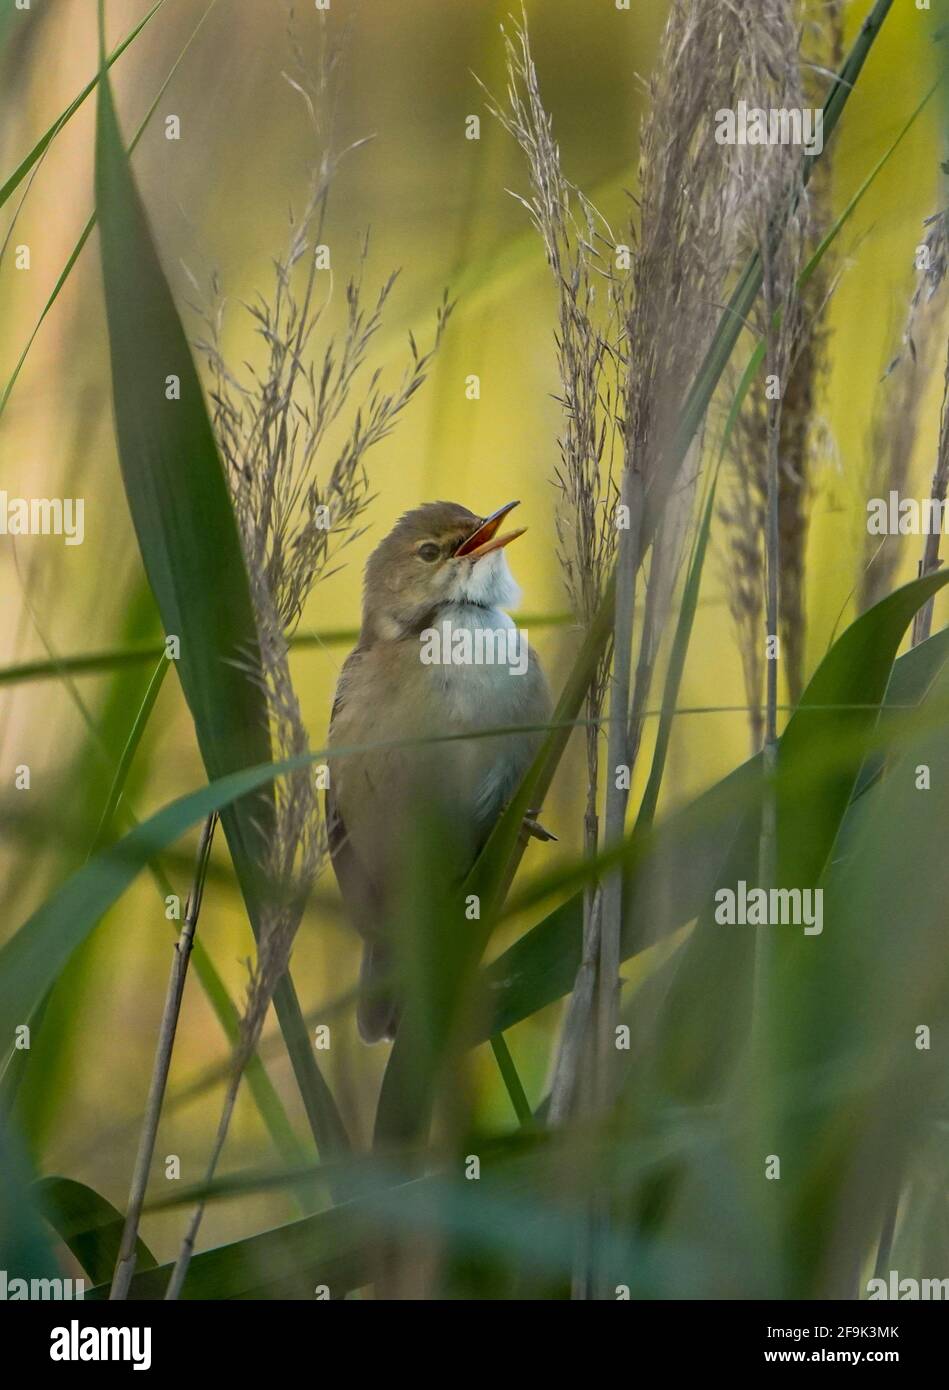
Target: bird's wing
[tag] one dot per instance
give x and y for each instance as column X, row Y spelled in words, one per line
column 354, row 882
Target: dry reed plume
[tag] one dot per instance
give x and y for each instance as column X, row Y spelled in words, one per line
column 786, row 429
column 591, row 318
column 895, row 424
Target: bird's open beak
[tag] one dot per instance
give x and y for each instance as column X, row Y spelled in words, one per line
column 486, row 539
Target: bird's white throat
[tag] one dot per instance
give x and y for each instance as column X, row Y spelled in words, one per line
column 488, row 582
column 472, row 628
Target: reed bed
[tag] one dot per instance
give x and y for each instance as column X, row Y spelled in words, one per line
column 694, row 1049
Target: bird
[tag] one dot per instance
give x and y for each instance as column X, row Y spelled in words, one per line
column 436, row 591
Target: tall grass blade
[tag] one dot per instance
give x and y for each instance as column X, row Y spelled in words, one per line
column 39, row 149
column 89, row 1225
column 188, row 538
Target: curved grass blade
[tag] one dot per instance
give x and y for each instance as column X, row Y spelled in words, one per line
column 87, row 1223
column 41, row 146
column 128, row 753
column 914, row 676
column 512, row 1081
column 814, row 790
column 91, row 222
column 680, row 647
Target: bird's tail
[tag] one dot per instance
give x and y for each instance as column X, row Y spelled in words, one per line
column 377, row 1013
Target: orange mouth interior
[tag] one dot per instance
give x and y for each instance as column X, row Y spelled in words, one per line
column 486, row 539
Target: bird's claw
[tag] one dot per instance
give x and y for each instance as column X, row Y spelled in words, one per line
column 532, row 829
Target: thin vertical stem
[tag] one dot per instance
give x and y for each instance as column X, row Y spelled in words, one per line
column 125, row 1264
column 611, row 919
column 652, row 623
column 776, row 362
column 512, row 1081
column 180, row 1271
column 629, row 555
column 575, row 1032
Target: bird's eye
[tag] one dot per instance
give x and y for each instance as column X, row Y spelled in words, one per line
column 428, row 551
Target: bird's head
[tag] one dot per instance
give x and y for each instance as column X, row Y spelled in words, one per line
column 435, row 555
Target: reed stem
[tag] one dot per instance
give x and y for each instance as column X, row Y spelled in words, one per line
column 125, row 1264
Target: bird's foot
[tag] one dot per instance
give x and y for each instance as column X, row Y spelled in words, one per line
column 531, row 828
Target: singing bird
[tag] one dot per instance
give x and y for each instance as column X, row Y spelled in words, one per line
column 437, row 655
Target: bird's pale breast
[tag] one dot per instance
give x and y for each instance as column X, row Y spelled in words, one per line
column 389, row 695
